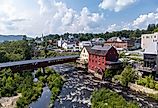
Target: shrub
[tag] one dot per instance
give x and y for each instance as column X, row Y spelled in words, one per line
column 152, row 85
column 128, row 75
column 108, row 73
column 105, row 98
column 156, row 86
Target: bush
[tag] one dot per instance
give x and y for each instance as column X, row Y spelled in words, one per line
column 128, row 75
column 116, row 78
column 156, row 86
column 148, row 81
column 109, row 73
column 152, row 85
column 105, row 98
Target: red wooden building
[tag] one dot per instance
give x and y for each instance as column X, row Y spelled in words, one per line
column 102, row 58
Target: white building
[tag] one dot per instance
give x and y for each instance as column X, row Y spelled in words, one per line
column 84, row 43
column 60, row 42
column 70, row 46
column 113, row 39
column 82, row 61
column 149, row 43
column 98, row 41
column 84, row 55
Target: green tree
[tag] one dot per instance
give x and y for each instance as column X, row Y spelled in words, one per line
column 151, row 27
column 109, row 73
column 155, row 30
column 105, row 98
column 128, row 75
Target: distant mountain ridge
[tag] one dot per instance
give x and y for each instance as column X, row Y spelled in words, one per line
column 10, row 37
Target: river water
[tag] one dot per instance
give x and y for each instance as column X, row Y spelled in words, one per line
column 76, row 91
column 43, row 101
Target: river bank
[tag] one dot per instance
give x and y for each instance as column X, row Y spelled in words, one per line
column 9, row 102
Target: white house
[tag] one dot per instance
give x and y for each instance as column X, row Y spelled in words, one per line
column 113, row 39
column 70, row 46
column 84, row 55
column 149, row 43
column 98, row 41
column 60, row 42
column 84, row 43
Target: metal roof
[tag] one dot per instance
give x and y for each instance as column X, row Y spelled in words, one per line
column 100, row 50
column 25, row 62
column 98, row 47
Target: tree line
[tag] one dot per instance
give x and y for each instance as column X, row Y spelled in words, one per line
column 123, row 33
column 14, row 51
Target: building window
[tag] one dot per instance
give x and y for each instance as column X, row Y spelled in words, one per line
column 84, row 51
column 154, row 36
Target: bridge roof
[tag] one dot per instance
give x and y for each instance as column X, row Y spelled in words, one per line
column 25, row 62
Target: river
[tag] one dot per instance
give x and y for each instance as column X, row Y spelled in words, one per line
column 76, row 91
column 43, row 101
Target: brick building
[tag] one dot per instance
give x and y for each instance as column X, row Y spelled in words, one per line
column 117, row 42
column 102, row 58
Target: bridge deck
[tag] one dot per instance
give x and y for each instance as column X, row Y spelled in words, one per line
column 26, row 62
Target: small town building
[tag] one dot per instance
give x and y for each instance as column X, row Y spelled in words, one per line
column 70, row 46
column 102, row 58
column 137, row 43
column 149, row 45
column 84, row 57
column 60, row 42
column 84, row 44
column 98, row 41
column 149, row 42
column 149, row 65
column 117, row 42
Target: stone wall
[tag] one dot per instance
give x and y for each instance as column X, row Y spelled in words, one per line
column 142, row 89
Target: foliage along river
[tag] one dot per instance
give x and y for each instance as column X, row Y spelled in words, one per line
column 76, row 91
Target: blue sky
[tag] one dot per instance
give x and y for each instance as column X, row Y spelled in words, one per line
column 34, row 17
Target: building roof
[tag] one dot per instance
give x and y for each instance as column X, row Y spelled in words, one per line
column 88, row 48
column 118, row 39
column 26, row 62
column 114, row 39
column 100, row 50
column 70, row 43
column 86, row 42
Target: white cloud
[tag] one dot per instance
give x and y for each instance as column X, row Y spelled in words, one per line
column 145, row 19
column 112, row 27
column 64, row 19
column 49, row 16
column 118, row 27
column 141, row 22
column 115, row 5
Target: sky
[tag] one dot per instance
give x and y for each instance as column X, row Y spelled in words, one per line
column 37, row 17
